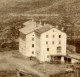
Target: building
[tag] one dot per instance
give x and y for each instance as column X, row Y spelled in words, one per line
column 43, row 41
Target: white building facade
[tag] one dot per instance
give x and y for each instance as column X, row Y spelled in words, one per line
column 44, row 42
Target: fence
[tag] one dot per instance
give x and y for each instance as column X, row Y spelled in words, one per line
column 69, row 74
column 76, row 73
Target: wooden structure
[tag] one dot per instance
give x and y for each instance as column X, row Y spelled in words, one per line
column 77, row 70
column 65, row 74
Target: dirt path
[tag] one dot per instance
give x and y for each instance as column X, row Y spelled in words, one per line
column 9, row 62
column 26, row 68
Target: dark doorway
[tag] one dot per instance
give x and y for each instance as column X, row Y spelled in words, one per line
column 67, row 60
column 57, row 59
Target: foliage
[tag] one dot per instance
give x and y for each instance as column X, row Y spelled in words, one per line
column 12, row 17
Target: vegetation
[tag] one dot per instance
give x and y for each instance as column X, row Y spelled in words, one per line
column 76, row 43
column 13, row 13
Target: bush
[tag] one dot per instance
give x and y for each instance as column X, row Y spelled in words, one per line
column 10, row 46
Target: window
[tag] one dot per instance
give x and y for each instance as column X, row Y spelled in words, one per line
column 59, row 49
column 32, row 39
column 53, row 30
column 46, row 36
column 46, row 42
column 32, row 45
column 59, row 42
column 52, row 42
column 59, row 36
column 47, row 49
column 53, row 36
column 32, row 52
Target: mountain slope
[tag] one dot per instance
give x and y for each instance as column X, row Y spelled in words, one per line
column 68, row 10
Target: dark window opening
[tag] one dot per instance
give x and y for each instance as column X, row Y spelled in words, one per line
column 32, row 52
column 59, row 42
column 46, row 42
column 32, row 45
column 59, row 36
column 47, row 49
column 59, row 49
column 59, row 57
column 52, row 42
column 32, row 39
column 46, row 36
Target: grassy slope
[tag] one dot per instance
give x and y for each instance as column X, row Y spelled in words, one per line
column 18, row 7
column 8, row 7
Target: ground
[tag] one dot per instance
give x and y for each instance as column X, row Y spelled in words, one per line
column 51, row 69
column 10, row 59
column 6, row 57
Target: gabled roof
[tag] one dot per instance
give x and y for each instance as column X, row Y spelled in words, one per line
column 43, row 29
column 31, row 26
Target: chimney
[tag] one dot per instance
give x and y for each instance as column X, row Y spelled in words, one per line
column 62, row 29
column 57, row 26
column 50, row 26
column 40, row 22
column 44, row 24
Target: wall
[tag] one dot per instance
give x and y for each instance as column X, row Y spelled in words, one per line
column 29, row 42
column 52, row 47
column 38, row 46
column 25, row 44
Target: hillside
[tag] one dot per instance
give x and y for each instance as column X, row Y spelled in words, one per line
column 14, row 12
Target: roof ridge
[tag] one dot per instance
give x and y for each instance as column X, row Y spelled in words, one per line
column 34, row 26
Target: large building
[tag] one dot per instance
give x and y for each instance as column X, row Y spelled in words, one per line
column 43, row 41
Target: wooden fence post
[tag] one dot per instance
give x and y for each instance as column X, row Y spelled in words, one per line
column 77, row 73
column 18, row 73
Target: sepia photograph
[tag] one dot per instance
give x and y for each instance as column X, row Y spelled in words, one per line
column 39, row 38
